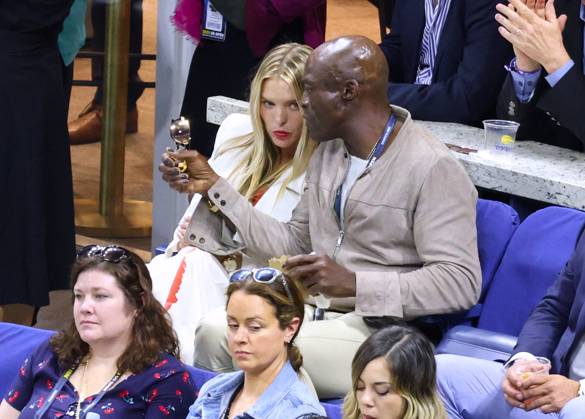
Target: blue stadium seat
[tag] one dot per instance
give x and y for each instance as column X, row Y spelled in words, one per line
column 537, row 252
column 16, row 343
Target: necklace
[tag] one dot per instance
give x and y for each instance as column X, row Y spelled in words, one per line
column 81, row 385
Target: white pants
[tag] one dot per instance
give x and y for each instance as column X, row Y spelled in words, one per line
column 202, row 290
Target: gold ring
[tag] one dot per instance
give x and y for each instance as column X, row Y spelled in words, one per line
column 182, row 166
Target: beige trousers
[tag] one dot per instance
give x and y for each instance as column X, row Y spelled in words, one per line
column 328, row 347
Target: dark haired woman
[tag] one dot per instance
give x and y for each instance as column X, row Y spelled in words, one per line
column 264, row 314
column 117, row 359
column 393, row 377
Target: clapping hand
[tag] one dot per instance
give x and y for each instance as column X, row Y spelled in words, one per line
column 535, row 32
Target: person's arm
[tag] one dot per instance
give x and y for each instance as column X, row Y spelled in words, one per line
column 543, row 329
column 261, row 235
column 445, row 237
column 471, row 92
column 21, row 389
column 563, row 102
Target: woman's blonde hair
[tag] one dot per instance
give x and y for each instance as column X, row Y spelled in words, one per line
column 410, row 359
column 257, row 167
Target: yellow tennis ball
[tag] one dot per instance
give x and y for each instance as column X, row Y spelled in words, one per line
column 507, row 139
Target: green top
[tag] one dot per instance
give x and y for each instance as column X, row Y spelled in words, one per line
column 72, row 36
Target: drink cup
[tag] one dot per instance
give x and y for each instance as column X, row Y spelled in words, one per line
column 499, row 135
column 524, row 368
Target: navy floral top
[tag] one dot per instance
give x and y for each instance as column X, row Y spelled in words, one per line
column 160, row 391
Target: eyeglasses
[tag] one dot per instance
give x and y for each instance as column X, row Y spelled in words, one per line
column 262, row 275
column 112, row 254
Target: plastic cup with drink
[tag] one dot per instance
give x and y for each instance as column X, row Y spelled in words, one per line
column 525, row 368
column 499, row 136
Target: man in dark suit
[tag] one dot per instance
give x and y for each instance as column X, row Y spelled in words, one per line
column 545, row 90
column 473, row 388
column 446, row 59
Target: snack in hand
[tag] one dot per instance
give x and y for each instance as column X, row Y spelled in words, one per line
column 278, row 263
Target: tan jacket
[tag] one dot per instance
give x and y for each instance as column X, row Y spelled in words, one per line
column 410, row 231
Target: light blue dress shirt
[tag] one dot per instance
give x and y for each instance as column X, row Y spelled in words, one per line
column 525, row 83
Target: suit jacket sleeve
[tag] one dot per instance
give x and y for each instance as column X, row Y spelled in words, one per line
column 543, row 329
column 468, row 95
column 564, row 102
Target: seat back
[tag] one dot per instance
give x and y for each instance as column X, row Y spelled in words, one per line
column 537, row 252
column 16, row 344
column 496, row 222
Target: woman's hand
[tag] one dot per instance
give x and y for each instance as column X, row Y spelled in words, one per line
column 181, row 230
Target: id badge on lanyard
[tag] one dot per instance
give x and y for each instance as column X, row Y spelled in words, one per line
column 213, row 26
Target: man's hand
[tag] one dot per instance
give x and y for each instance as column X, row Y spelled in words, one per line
column 320, row 274
column 537, row 37
column 550, row 393
column 198, row 177
column 511, row 386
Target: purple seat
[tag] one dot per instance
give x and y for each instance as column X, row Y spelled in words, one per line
column 16, row 344
column 536, row 254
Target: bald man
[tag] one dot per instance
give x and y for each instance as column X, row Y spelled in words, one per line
column 387, row 211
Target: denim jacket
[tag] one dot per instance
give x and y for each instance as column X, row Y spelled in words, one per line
column 287, row 397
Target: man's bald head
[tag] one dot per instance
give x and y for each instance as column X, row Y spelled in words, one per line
column 354, row 57
column 344, row 88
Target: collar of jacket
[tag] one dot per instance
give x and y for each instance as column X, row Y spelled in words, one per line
column 220, row 396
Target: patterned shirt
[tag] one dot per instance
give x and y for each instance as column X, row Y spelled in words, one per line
column 436, row 12
column 160, row 391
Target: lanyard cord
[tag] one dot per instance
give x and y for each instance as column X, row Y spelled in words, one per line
column 59, row 386
column 375, row 154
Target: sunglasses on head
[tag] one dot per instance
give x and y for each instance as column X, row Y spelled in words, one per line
column 262, row 275
column 112, row 254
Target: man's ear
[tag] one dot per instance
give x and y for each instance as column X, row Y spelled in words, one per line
column 350, row 89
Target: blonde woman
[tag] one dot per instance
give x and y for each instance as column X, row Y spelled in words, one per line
column 265, row 155
column 393, row 377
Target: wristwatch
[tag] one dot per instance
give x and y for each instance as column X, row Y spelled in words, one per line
column 581, row 392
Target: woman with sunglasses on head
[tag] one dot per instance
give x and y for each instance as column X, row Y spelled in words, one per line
column 118, row 357
column 265, row 155
column 393, row 377
column 264, row 314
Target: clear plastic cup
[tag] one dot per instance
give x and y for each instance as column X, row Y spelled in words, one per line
column 500, row 135
column 524, row 368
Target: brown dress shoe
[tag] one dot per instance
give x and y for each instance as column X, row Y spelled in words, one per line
column 87, row 128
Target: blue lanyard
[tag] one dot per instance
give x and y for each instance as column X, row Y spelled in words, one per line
column 59, row 385
column 374, row 155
